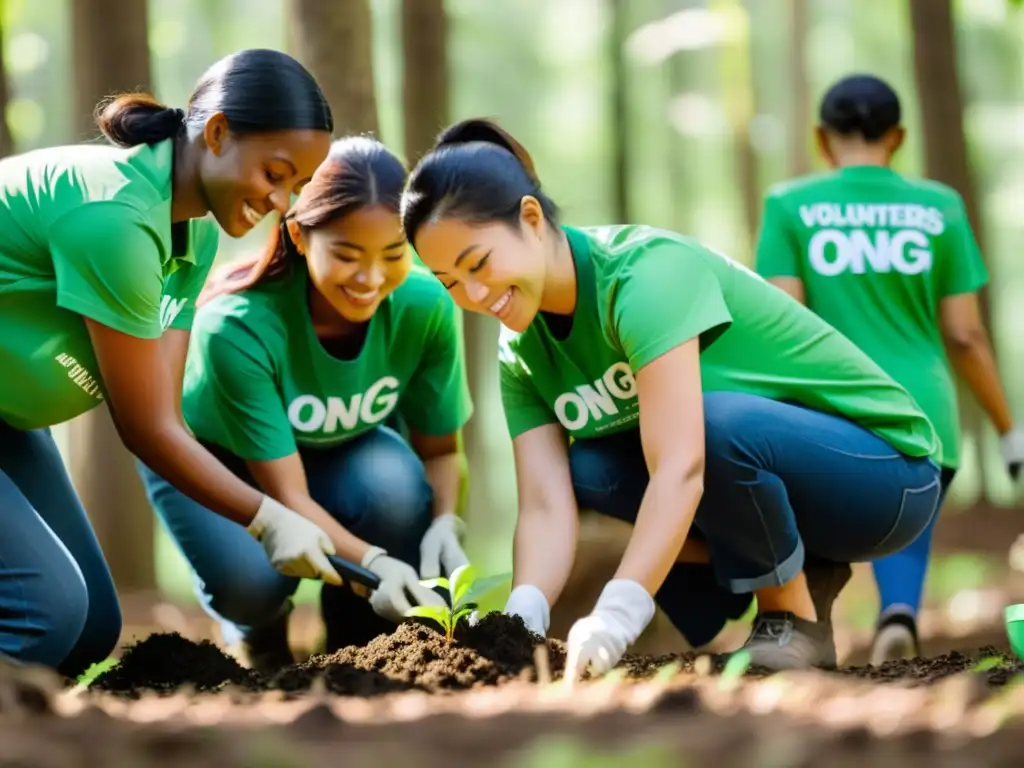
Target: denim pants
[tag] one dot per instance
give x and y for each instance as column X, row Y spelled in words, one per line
column 782, row 483
column 58, row 604
column 374, row 485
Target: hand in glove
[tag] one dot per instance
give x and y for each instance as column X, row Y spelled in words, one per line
column 529, row 603
column 295, row 545
column 599, row 640
column 440, row 550
column 1011, row 447
column 390, row 600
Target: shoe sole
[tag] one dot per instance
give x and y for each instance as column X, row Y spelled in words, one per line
column 892, row 643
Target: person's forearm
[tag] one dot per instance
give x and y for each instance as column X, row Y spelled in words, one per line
column 346, row 545
column 443, row 476
column 178, row 458
column 544, row 549
column 662, row 525
column 974, row 362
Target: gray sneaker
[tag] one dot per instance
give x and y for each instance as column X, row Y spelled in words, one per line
column 784, row 641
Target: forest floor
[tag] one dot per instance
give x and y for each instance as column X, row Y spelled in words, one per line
column 490, row 698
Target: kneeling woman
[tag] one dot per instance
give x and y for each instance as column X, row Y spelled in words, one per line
column 723, row 419
column 298, row 361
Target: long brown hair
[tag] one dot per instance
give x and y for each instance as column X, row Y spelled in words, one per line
column 359, row 172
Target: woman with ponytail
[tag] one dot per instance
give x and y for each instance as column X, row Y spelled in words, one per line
column 103, row 251
column 756, row 451
column 892, row 263
column 299, row 359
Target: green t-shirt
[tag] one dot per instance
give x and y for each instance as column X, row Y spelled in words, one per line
column 85, row 231
column 644, row 291
column 259, row 382
column 876, row 253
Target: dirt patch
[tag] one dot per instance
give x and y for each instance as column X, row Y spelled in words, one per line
column 415, row 656
column 167, row 661
column 996, row 665
column 498, row 650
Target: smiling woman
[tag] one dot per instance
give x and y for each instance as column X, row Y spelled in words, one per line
column 705, row 406
column 103, row 251
column 302, row 356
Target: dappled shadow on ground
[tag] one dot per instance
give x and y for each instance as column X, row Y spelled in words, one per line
column 487, row 710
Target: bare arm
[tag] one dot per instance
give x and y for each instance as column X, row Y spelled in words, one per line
column 794, row 286
column 284, row 479
column 547, row 527
column 440, row 457
column 141, row 393
column 174, row 350
column 672, row 433
column 970, row 354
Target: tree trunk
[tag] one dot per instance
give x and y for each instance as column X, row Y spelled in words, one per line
column 6, row 141
column 799, row 91
column 740, row 108
column 945, row 149
column 110, row 54
column 335, row 42
column 110, row 42
column 425, row 104
column 618, row 26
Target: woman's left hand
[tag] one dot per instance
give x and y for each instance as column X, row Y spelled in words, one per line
column 599, row 640
column 440, row 550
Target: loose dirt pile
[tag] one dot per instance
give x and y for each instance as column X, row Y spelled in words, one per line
column 499, row 649
column 496, row 651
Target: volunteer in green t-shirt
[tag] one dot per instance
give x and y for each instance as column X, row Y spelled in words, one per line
column 103, row 250
column 723, row 419
column 891, row 263
column 298, row 360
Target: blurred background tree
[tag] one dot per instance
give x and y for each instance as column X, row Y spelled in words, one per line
column 666, row 112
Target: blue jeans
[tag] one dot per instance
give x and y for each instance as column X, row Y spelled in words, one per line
column 58, row 604
column 782, row 483
column 900, row 576
column 374, row 485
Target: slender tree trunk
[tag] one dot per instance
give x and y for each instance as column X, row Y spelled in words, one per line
column 945, row 149
column 799, row 91
column 334, row 40
column 425, row 89
column 425, row 92
column 111, row 54
column 6, row 141
column 735, row 63
column 619, row 30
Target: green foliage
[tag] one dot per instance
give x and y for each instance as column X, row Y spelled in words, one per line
column 465, row 591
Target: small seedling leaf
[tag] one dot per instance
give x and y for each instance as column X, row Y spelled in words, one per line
column 462, row 579
column 457, row 616
column 737, row 665
column 986, row 664
column 480, row 588
column 438, row 613
column 439, row 582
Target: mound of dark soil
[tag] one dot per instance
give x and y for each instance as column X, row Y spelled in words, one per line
column 167, row 661
column 416, row 656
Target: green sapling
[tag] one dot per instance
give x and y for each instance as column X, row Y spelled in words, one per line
column 465, row 590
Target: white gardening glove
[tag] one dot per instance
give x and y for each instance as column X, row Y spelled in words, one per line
column 1011, row 447
column 389, row 600
column 529, row 603
column 599, row 640
column 440, row 550
column 295, row 545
